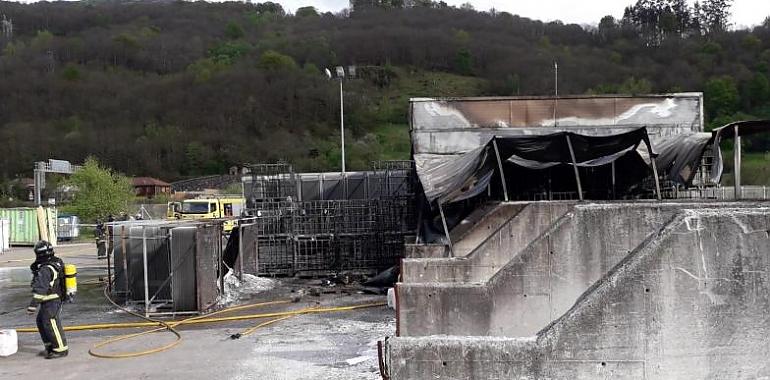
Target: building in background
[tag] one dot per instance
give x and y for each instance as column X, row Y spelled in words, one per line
column 149, row 187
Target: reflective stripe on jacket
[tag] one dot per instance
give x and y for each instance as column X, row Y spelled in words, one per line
column 45, row 285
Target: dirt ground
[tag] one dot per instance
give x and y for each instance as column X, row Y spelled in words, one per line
column 338, row 345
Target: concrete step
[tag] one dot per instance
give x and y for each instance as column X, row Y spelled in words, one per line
column 508, row 231
column 689, row 302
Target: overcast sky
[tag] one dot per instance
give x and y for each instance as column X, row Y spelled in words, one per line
column 745, row 12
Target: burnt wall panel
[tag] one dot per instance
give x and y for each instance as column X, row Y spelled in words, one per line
column 207, row 259
column 183, row 252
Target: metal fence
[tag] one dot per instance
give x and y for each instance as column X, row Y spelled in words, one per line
column 279, row 182
column 720, row 193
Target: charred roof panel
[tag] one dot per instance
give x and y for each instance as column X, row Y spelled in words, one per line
column 457, row 125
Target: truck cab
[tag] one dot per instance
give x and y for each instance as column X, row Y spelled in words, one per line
column 213, row 208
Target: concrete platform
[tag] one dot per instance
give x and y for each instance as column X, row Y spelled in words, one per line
column 542, row 278
column 489, row 245
column 675, row 291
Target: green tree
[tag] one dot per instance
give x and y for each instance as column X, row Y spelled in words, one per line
column 758, row 90
column 270, row 7
column 607, row 27
column 635, row 86
column 273, row 60
column 11, row 49
column 234, row 31
column 100, row 191
column 306, row 12
column 467, row 7
column 228, row 52
column 464, row 61
column 205, row 68
column 71, row 72
column 721, row 96
column 42, row 40
column 195, row 155
column 715, row 15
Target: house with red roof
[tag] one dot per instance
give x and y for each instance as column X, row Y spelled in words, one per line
column 149, row 187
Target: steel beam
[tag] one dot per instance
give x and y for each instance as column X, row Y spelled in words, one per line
column 574, row 166
column 737, row 164
column 446, row 229
column 500, row 166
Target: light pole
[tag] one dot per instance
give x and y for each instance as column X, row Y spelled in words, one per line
column 555, row 91
column 340, row 76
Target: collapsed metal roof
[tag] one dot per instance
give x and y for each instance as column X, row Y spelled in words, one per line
column 444, row 128
column 458, row 125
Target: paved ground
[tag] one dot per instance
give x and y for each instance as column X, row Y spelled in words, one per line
column 338, row 345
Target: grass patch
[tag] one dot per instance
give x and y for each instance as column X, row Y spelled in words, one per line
column 394, row 141
column 755, row 168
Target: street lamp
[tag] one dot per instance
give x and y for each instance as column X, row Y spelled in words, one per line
column 340, row 71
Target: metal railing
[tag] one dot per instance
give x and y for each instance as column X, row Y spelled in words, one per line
column 720, row 193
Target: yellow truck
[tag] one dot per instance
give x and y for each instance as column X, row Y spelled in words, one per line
column 215, row 207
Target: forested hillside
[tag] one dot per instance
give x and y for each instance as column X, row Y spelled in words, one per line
column 176, row 89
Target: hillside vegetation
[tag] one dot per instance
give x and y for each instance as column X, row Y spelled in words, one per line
column 177, row 89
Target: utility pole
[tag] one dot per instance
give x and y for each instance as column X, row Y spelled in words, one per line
column 556, row 90
column 737, row 163
column 340, row 71
column 342, row 125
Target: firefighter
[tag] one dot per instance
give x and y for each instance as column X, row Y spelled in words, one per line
column 48, row 293
column 100, row 234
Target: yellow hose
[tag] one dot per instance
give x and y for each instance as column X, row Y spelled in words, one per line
column 134, row 354
column 170, row 326
column 263, row 324
column 165, row 325
column 207, row 319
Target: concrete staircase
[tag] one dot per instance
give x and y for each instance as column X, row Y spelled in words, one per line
column 640, row 290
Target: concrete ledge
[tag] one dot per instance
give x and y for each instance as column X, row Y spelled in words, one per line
column 540, row 283
column 426, row 251
column 689, row 303
column 489, row 246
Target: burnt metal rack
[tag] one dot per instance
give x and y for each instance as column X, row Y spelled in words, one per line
column 324, row 223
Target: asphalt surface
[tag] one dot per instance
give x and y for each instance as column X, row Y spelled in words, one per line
column 339, row 345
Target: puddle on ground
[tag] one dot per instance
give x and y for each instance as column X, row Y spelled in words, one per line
column 15, row 276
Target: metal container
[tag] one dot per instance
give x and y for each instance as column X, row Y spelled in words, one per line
column 67, row 227
column 195, row 258
column 23, row 225
column 168, row 267
column 5, row 232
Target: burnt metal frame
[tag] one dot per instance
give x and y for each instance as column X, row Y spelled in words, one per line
column 147, row 299
column 346, row 225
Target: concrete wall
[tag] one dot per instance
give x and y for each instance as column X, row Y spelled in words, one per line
column 469, row 233
column 690, row 303
column 539, row 284
column 426, row 251
column 495, row 242
column 470, row 221
column 484, row 227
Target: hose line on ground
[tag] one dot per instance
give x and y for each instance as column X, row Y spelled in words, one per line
column 165, row 325
column 263, row 324
column 208, row 318
column 170, row 326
